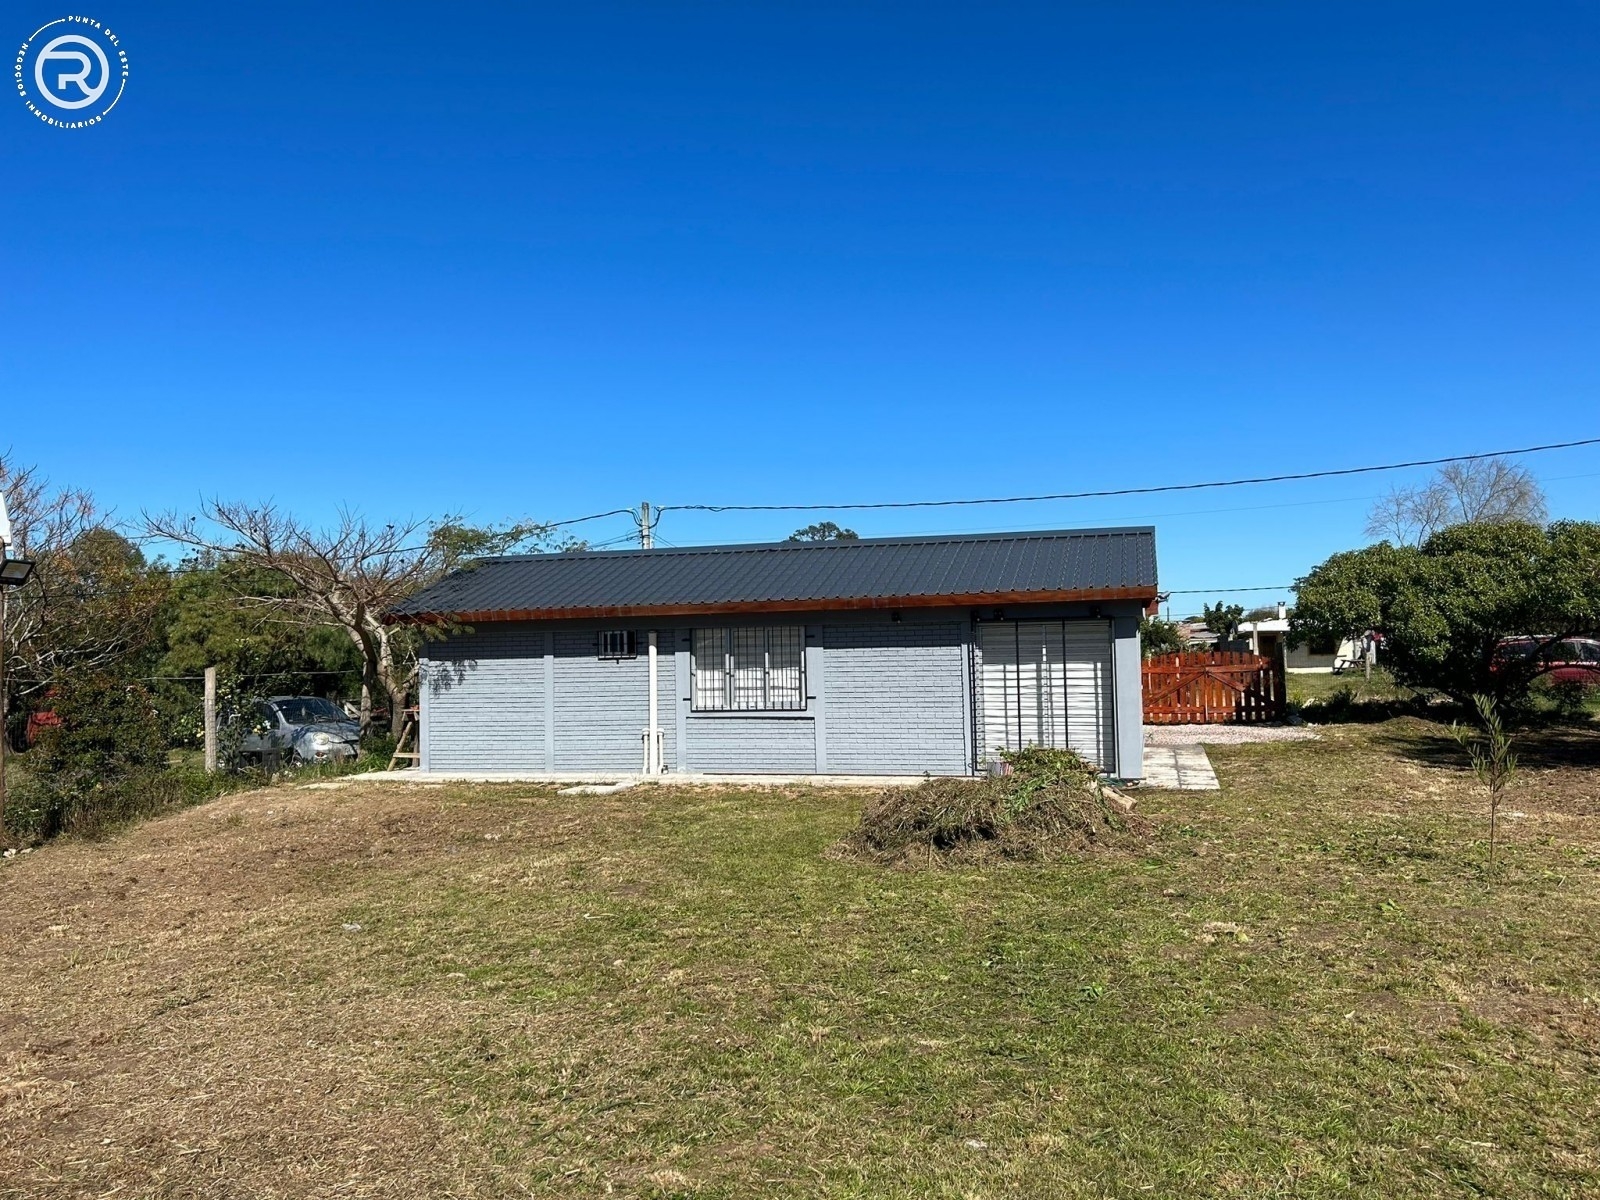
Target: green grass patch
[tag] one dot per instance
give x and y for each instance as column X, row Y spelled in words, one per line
column 1303, row 987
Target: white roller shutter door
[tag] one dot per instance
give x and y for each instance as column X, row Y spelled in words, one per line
column 997, row 689
column 1046, row 683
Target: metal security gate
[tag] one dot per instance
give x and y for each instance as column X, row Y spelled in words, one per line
column 1046, row 683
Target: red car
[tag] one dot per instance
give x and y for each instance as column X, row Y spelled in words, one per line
column 1571, row 660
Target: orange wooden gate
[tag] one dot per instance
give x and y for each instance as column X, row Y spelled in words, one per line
column 1212, row 687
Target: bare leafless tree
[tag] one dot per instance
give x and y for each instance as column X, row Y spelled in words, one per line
column 347, row 576
column 1484, row 491
column 1493, row 491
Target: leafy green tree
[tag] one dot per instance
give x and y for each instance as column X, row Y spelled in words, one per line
column 80, row 635
column 208, row 626
column 256, row 652
column 824, row 531
column 95, row 609
column 1444, row 606
column 345, row 577
column 1223, row 619
column 93, row 603
column 1160, row 637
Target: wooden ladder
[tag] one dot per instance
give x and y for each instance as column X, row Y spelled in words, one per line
column 408, row 737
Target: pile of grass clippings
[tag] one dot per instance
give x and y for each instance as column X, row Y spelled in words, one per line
column 1050, row 804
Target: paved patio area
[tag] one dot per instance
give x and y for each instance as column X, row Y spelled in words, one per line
column 618, row 780
column 1225, row 735
column 1179, row 768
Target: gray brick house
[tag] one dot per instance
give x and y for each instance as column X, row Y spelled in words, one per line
column 894, row 656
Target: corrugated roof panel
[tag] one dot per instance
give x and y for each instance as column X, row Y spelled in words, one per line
column 711, row 577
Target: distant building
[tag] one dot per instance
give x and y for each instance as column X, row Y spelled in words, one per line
column 1270, row 637
column 1195, row 634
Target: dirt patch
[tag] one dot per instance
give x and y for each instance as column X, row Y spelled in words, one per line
column 160, row 1039
column 1248, row 1019
column 1543, row 1015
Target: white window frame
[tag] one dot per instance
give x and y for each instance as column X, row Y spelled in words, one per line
column 726, row 678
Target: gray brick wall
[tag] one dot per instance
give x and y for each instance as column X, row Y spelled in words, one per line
column 602, row 706
column 485, row 703
column 890, row 698
column 756, row 745
column 895, row 698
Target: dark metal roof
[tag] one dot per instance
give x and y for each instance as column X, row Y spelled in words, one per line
column 993, row 568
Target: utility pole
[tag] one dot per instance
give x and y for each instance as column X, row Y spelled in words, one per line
column 652, row 733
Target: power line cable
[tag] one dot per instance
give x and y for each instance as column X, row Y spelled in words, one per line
column 1277, row 587
column 255, row 675
column 1134, row 491
column 615, row 512
column 629, row 537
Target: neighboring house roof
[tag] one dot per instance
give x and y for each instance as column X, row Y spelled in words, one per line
column 973, row 569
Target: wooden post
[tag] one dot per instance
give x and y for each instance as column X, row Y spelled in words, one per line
column 211, row 720
column 1280, row 680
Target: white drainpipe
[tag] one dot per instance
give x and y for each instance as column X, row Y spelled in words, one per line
column 652, row 737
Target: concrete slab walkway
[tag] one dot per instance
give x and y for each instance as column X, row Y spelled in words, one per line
column 1180, row 769
column 621, row 779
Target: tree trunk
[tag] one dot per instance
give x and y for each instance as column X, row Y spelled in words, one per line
column 374, row 680
column 397, row 709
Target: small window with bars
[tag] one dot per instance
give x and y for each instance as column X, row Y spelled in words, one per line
column 618, row 643
column 757, row 669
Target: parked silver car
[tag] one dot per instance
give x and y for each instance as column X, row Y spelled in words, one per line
column 301, row 729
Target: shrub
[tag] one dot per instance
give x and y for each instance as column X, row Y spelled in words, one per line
column 108, row 735
column 39, row 810
column 1571, row 699
column 1049, row 803
column 1160, row 637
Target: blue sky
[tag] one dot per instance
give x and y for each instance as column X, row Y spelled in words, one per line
column 549, row 260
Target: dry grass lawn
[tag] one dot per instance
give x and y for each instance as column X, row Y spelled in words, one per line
column 1302, row 987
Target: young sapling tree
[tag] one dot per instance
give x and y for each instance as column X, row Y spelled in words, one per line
column 1493, row 760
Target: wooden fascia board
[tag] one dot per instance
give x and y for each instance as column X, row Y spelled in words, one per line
column 1145, row 596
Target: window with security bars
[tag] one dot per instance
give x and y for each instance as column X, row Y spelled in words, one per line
column 618, row 643
column 759, row 669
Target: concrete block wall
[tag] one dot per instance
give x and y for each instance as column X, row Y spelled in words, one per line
column 884, row 697
column 483, row 701
column 602, row 706
column 761, row 744
column 896, row 698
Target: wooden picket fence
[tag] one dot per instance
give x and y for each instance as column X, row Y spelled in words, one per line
column 1213, row 687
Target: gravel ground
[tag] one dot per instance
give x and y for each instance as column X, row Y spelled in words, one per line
column 1224, row 735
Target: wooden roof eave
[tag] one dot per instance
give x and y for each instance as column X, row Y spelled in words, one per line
column 1144, row 596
